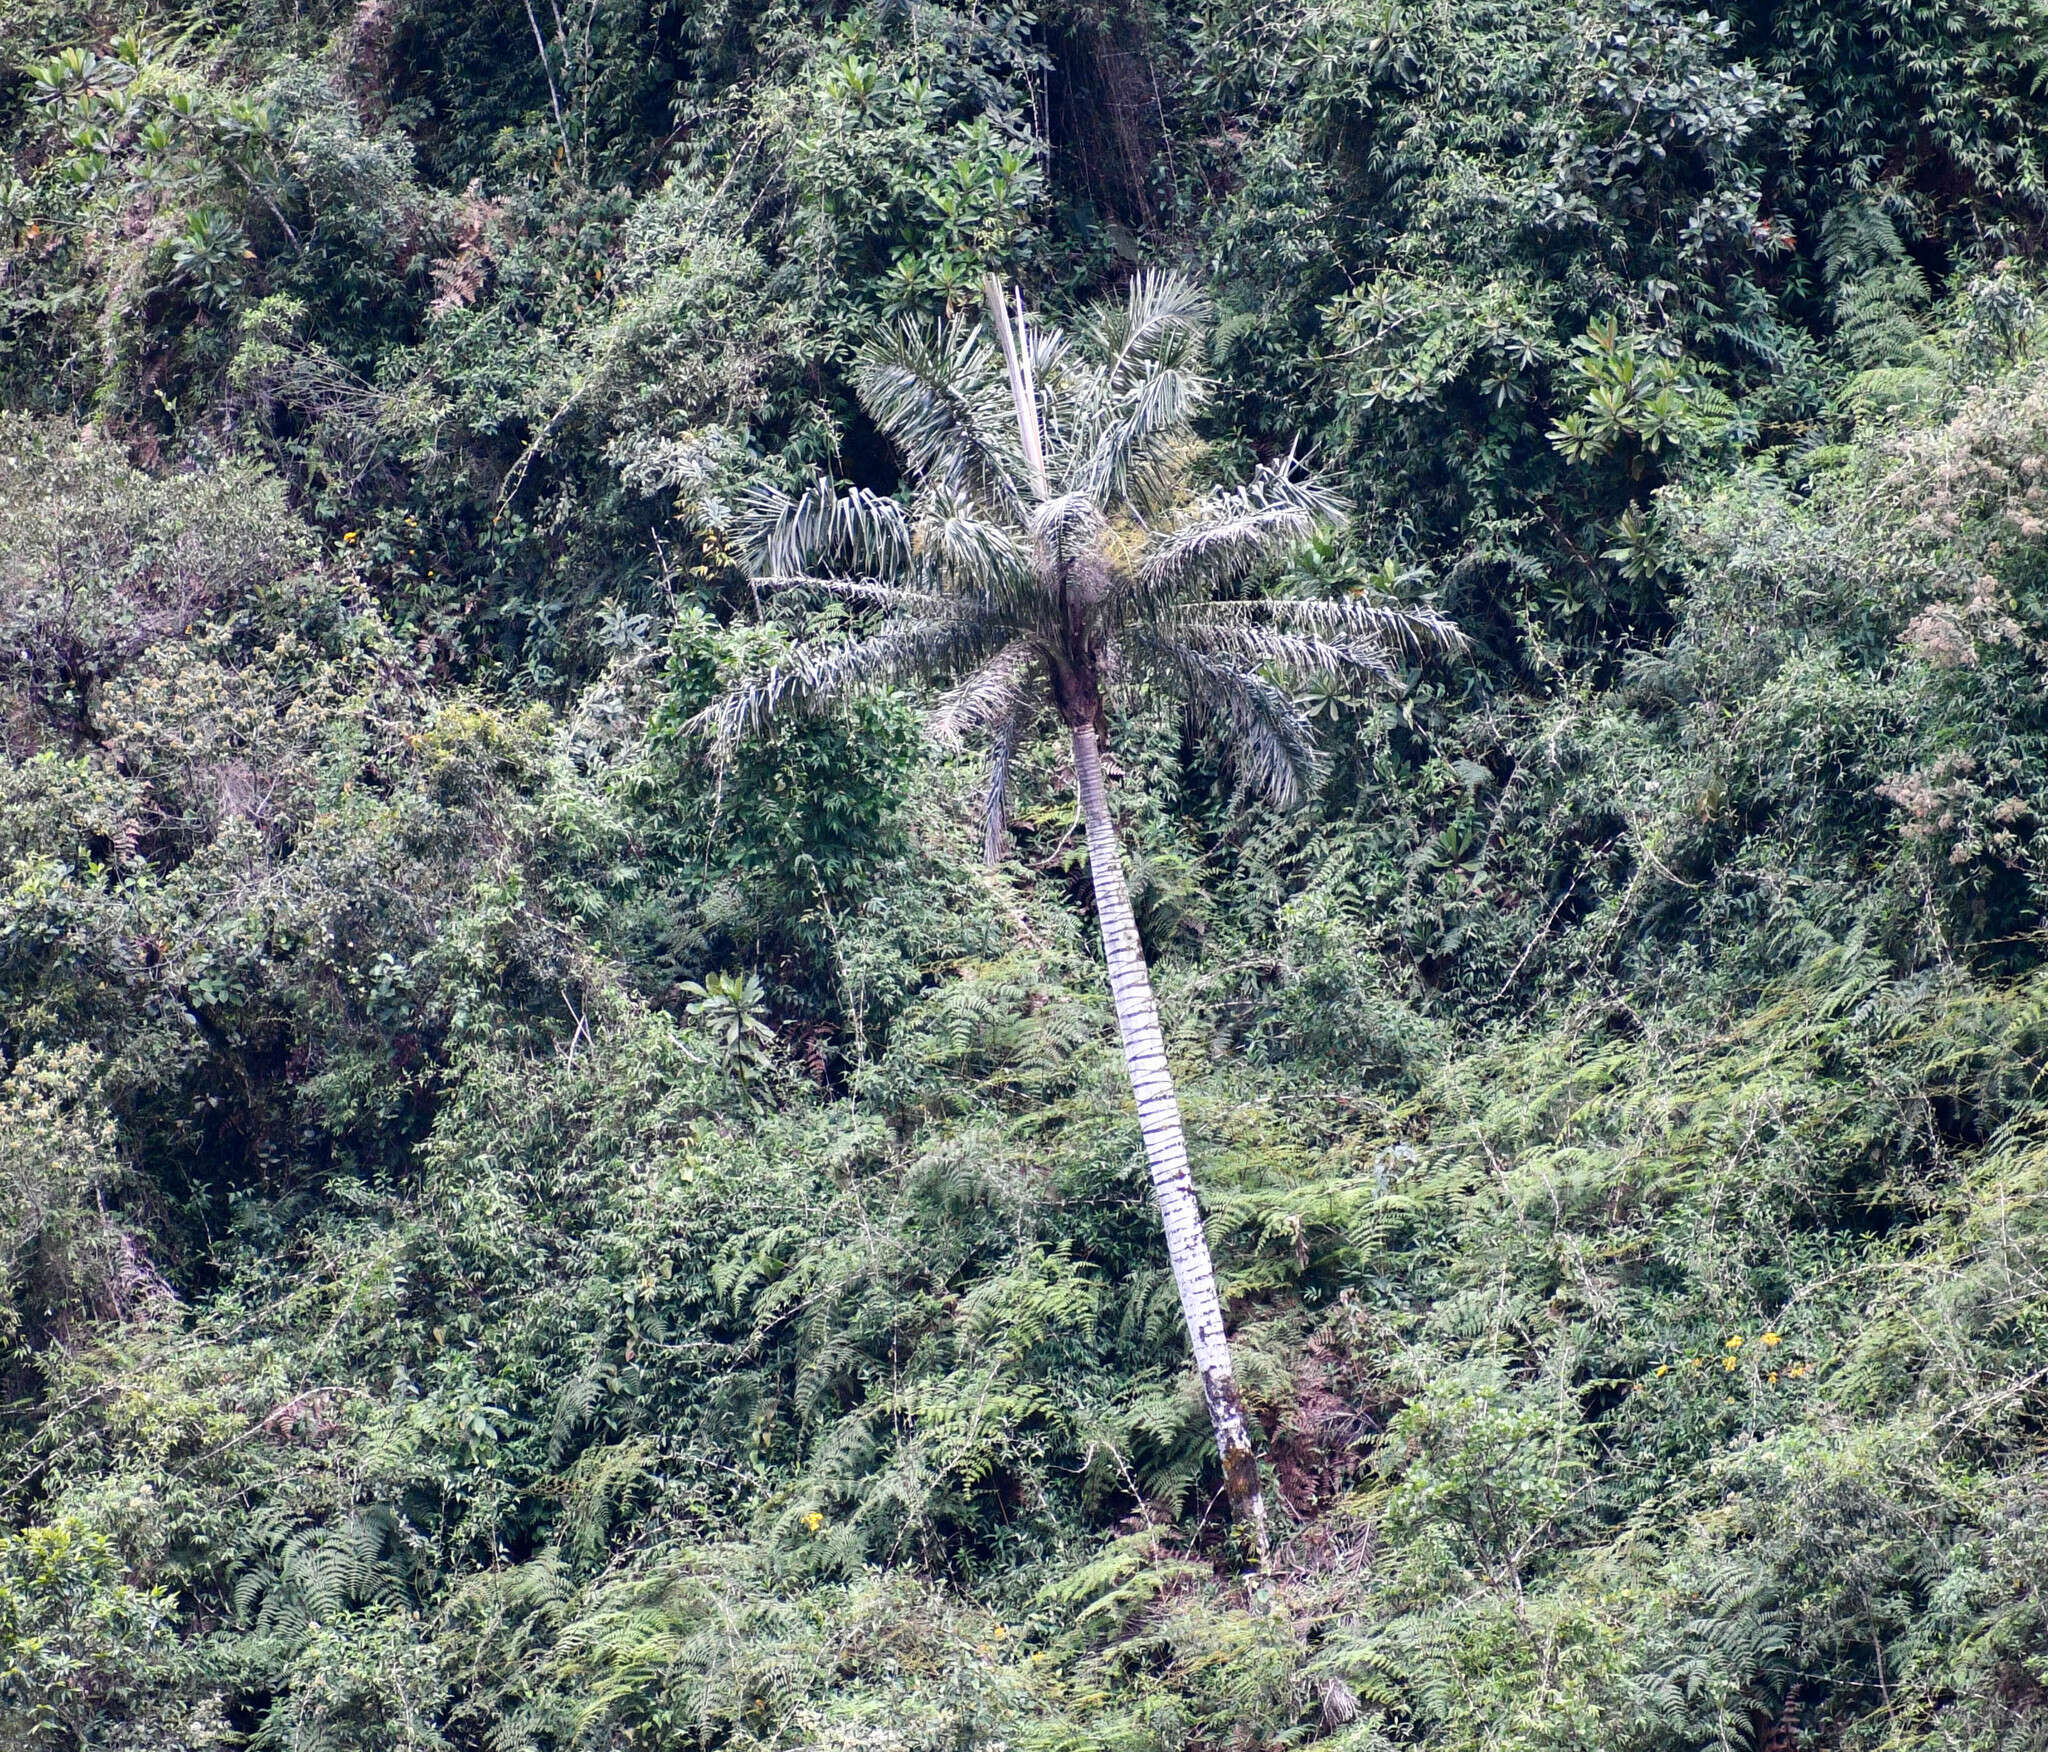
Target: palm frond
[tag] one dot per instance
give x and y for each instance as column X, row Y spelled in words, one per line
column 1160, row 322
column 1009, row 731
column 814, row 675
column 1227, row 534
column 873, row 592
column 1414, row 627
column 1012, row 330
column 1058, row 374
column 1000, row 700
column 943, row 395
column 1139, row 382
column 1156, row 474
column 970, row 554
column 1134, row 430
column 1291, row 653
column 986, row 697
column 1267, row 734
column 836, row 526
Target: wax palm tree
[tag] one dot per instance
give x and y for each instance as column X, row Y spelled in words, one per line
column 1050, row 555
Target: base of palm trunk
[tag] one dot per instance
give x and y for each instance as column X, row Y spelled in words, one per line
column 1241, row 1486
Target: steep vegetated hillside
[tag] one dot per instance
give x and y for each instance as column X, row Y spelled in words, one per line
column 526, row 1227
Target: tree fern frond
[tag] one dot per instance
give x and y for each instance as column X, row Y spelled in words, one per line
column 573, row 1407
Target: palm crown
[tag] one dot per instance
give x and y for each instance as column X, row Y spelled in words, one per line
column 1051, row 549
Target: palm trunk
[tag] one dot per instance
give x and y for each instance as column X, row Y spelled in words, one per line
column 1166, row 1150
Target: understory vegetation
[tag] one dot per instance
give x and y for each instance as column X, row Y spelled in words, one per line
column 523, row 1229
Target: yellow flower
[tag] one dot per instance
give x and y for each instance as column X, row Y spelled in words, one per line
column 1663, row 1369
column 348, row 535
column 1695, row 1362
column 1772, row 1338
column 1735, row 1343
column 1797, row 1370
column 999, row 1631
column 1774, row 1377
column 814, row 1520
column 1728, row 1363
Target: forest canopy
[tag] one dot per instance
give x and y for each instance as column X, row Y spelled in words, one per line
column 569, row 1170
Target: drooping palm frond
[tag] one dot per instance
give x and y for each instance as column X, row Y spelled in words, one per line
column 997, row 703
column 813, row 675
column 1414, row 627
column 1267, row 735
column 1230, row 532
column 972, row 555
column 826, row 525
column 943, row 395
column 1005, row 738
column 1293, row 654
column 995, row 805
column 987, row 696
column 869, row 592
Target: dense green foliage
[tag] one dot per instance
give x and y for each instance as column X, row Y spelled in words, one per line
column 517, row 1235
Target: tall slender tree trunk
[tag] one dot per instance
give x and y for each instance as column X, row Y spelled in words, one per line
column 1166, row 1149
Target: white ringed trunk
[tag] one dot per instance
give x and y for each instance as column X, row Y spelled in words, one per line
column 1166, row 1150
